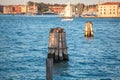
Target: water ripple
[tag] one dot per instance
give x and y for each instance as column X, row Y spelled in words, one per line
column 24, row 42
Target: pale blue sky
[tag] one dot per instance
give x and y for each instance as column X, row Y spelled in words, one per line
column 9, row 2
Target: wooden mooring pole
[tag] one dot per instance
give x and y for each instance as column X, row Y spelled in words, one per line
column 89, row 29
column 49, row 66
column 57, row 48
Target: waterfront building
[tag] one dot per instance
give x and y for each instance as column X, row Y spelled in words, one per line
column 90, row 11
column 14, row 9
column 32, row 9
column 57, row 9
column 23, row 9
column 109, row 9
column 8, row 9
column 119, row 11
column 93, row 10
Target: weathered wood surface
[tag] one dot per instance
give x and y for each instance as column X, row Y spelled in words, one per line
column 57, row 48
column 49, row 66
column 89, row 30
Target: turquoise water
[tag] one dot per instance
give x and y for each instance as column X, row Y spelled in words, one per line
column 24, row 47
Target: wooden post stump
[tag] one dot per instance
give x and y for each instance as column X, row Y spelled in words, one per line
column 89, row 30
column 49, row 66
column 57, row 48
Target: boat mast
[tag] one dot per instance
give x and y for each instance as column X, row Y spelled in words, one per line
column 69, row 3
column 98, row 2
column 34, row 8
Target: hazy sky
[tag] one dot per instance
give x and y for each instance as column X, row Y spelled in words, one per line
column 9, row 2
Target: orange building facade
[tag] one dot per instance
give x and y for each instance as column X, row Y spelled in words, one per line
column 14, row 9
column 56, row 9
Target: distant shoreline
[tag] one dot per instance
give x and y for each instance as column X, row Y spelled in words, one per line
column 98, row 17
column 55, row 14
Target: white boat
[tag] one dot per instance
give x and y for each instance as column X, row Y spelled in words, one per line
column 49, row 12
column 67, row 13
column 67, row 19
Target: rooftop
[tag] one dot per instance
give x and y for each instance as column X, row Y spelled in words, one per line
column 111, row 3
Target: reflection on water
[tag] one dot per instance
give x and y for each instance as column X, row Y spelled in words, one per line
column 89, row 38
column 60, row 69
column 24, row 47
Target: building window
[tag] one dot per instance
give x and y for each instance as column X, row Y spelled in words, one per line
column 104, row 12
column 110, row 12
column 113, row 12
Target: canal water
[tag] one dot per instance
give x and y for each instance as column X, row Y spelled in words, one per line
column 24, row 48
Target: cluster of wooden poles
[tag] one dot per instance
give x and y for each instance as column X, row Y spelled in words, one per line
column 89, row 30
column 57, row 48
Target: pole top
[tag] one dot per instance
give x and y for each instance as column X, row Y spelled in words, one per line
column 57, row 30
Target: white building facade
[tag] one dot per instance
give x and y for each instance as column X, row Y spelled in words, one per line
column 109, row 9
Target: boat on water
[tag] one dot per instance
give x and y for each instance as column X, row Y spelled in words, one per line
column 89, row 15
column 67, row 13
column 49, row 12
